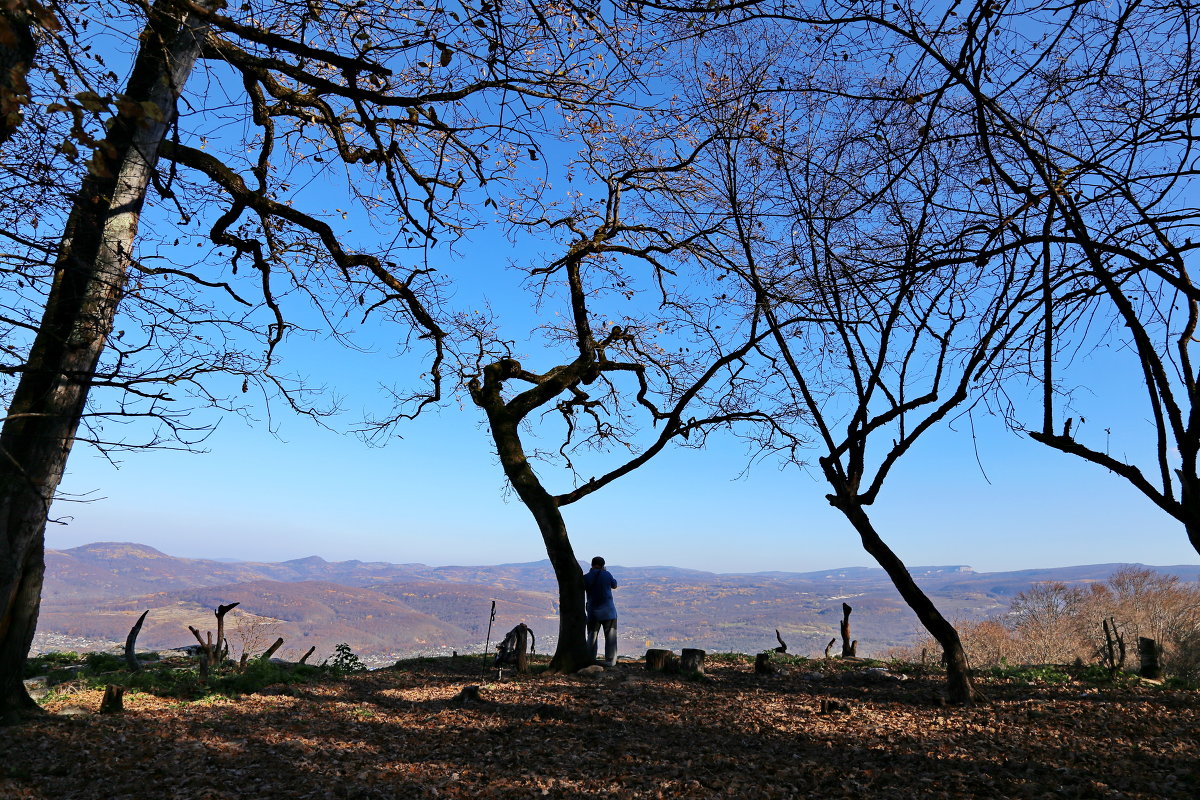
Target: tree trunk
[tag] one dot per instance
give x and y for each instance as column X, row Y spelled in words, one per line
column 523, row 649
column 571, row 654
column 222, row 645
column 270, row 651
column 89, row 278
column 1192, row 524
column 958, row 680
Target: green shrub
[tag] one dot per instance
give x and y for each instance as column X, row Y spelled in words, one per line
column 43, row 664
column 1096, row 673
column 259, row 674
column 344, row 660
column 1030, row 673
column 104, row 662
column 64, row 657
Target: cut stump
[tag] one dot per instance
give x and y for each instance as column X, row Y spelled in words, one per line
column 691, row 661
column 113, row 701
column 656, row 660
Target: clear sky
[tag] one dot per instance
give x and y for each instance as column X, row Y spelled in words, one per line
column 437, row 496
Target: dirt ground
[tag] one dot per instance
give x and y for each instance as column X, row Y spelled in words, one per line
column 401, row 733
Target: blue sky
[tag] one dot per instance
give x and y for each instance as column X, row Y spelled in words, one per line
column 437, row 495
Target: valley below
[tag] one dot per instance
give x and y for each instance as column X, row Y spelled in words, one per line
column 93, row 595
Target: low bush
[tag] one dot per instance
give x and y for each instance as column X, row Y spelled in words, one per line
column 104, row 662
column 1029, row 673
column 44, row 663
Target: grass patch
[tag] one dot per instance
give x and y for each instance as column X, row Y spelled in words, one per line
column 176, row 677
column 729, row 658
column 1027, row 674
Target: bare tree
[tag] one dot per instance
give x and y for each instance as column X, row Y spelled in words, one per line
column 1084, row 133
column 418, row 105
column 1008, row 190
column 1047, row 621
column 48, row 402
column 617, row 380
column 855, row 235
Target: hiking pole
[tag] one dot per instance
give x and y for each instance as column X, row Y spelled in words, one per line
column 488, row 641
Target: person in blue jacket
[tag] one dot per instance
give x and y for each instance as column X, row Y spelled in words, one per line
column 601, row 610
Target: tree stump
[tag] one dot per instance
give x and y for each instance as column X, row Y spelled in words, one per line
column 114, row 699
column 1150, row 654
column 691, row 661
column 763, row 665
column 270, row 651
column 515, row 648
column 131, row 643
column 834, row 707
column 522, row 648
column 656, row 660
column 468, row 694
column 848, row 648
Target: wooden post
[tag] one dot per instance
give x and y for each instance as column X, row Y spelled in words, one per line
column 309, row 653
column 656, row 660
column 763, row 665
column 114, row 699
column 829, row 648
column 848, row 648
column 1150, row 654
column 691, row 661
column 131, row 643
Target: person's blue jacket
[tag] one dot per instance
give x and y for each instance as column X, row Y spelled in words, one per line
column 598, row 584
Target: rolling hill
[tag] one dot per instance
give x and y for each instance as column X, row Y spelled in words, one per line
column 94, row 593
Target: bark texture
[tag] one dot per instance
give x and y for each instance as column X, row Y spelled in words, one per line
column 49, row 400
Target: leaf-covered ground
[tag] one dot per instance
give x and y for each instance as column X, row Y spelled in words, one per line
column 400, row 733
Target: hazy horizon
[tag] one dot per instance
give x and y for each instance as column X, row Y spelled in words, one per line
column 617, row 565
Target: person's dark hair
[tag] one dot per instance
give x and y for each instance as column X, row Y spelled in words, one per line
column 597, row 562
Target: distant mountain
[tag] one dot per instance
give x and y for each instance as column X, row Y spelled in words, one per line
column 94, row 593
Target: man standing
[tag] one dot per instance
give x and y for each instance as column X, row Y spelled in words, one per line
column 601, row 611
